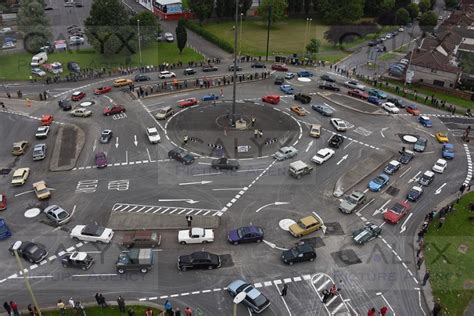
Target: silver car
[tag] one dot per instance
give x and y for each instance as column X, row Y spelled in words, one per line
column 57, row 215
column 39, row 152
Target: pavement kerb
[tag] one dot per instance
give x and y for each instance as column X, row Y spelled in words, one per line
column 349, row 107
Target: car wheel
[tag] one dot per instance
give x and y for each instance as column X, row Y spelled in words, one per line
column 236, row 242
column 121, row 271
column 143, row 270
column 298, row 176
column 170, row 157
column 216, row 167
column 100, row 242
column 31, row 260
column 311, row 260
column 12, row 253
column 204, row 241
column 75, row 238
column 84, row 268
column 183, row 243
column 64, row 265
column 210, row 267
column 234, row 168
column 259, row 240
column 184, row 162
column 290, row 263
column 183, row 268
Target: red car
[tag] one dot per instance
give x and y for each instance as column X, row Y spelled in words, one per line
column 77, row 95
column 187, row 102
column 396, row 212
column 114, row 110
column 279, row 67
column 273, row 99
column 412, row 109
column 102, row 90
column 358, row 94
column 46, row 120
column 3, row 202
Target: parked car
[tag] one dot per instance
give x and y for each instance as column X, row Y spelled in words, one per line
column 406, row 156
column 101, row 160
column 29, row 251
column 41, row 190
column 327, row 78
column 442, row 137
column 287, row 89
column 420, row 144
column 210, row 97
column 415, row 193
column 103, row 90
column 39, row 151
column 323, row 155
column 209, row 68
column 351, row 202
column 38, row 72
column 323, row 109
column 374, row 100
column 169, row 37
column 303, row 98
column 255, row 301
column 425, row 121
column 339, row 124
column 57, row 215
column 166, row 74
column 81, row 112
column 224, row 163
column 92, row 233
column 412, row 109
column 141, row 239
column 245, row 234
column 366, row 233
column 398, row 103
column 352, row 84
column 305, row 73
column 300, row 253
column 426, row 178
column 305, row 226
column 377, row 93
column 378, row 183
column 396, row 212
column 76, row 259
column 392, row 167
column 180, row 155
column 106, row 136
column 195, row 235
column 358, row 94
column 290, row 75
column 273, row 99
column 20, row 176
column 440, row 165
column 325, row 85
column 285, row 152
column 5, row 231
column 187, row 102
column 258, row 65
column 114, row 109
column 279, row 67
column 78, row 95
column 390, row 107
column 298, row 109
column 73, row 67
column 141, row 77
column 3, row 202
column 153, row 135
column 19, row 148
column 279, row 80
column 335, row 141
column 447, row 152
column 199, row 260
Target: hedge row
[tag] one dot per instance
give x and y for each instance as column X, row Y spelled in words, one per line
column 195, row 27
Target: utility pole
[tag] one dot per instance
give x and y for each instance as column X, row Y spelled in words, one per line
column 139, row 41
column 305, row 36
column 268, row 28
column 234, row 86
column 240, row 43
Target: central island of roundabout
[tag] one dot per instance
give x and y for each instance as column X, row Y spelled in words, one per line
column 256, row 130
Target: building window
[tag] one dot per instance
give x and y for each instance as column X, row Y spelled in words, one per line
column 438, row 83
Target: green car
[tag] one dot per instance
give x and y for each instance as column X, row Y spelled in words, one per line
column 366, row 233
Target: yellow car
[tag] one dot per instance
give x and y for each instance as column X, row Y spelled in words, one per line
column 41, row 190
column 20, row 176
column 442, row 137
column 19, row 148
column 298, row 109
column 122, row 82
column 305, row 226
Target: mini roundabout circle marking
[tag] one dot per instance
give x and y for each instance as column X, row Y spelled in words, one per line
column 86, row 104
column 32, row 212
column 410, row 139
column 304, row 79
column 286, row 223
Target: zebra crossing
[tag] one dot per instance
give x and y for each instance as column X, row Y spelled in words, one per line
column 168, row 210
column 336, row 305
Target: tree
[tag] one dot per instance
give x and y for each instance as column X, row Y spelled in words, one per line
column 202, row 8
column 292, row 5
column 149, row 26
column 34, row 25
column 245, row 5
column 307, row 6
column 402, row 3
column 413, row 10
column 220, row 8
column 108, row 28
column 313, row 46
column 372, row 7
column 402, row 16
column 428, row 21
column 317, row 7
column 278, row 9
column 342, row 11
column 424, row 5
column 451, row 3
column 387, row 5
column 299, row 6
column 181, row 35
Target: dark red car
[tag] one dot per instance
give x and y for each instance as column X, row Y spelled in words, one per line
column 114, row 110
column 187, row 102
column 358, row 94
column 273, row 99
column 279, row 67
column 78, row 95
column 3, row 202
column 412, row 109
column 396, row 212
column 102, row 90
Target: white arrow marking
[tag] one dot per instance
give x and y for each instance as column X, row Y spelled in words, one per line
column 414, row 179
column 404, row 225
column 116, row 142
column 309, row 146
column 380, row 208
column 95, row 145
column 342, row 159
column 24, row 193
column 381, row 132
column 438, row 191
column 135, row 141
column 190, row 201
column 199, row 182
column 273, row 246
column 329, row 106
column 274, row 203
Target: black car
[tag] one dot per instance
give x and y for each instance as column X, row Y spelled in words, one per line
column 303, row 98
column 327, row 78
column 279, row 80
column 30, row 251
column 300, row 253
column 415, row 193
column 209, row 68
column 81, row 260
column 398, row 103
column 189, row 71
column 335, row 141
column 231, row 68
column 372, row 43
column 73, row 67
column 106, row 136
column 426, row 178
column 406, row 156
column 65, row 104
column 180, row 155
column 224, row 163
column 258, row 65
column 199, row 260
column 141, row 77
column 326, row 85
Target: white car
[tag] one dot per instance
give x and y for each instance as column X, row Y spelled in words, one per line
column 440, row 165
column 195, row 236
column 322, row 155
column 153, row 135
column 169, row 37
column 8, row 45
column 166, row 74
column 81, row 112
column 92, row 232
column 352, row 84
column 76, row 40
column 404, row 61
column 390, row 107
column 42, row 132
column 339, row 124
column 38, row 72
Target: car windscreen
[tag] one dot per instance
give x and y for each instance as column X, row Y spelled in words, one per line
column 398, row 208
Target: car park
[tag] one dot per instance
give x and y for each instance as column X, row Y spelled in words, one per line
column 258, row 65
column 153, row 135
column 298, row 168
column 141, row 77
column 224, row 163
column 415, row 193
column 76, row 40
column 29, row 251
column 78, row 95
column 395, row 213
column 81, row 112
column 335, row 141
column 440, row 165
column 298, row 109
column 425, row 121
column 76, row 259
column 92, row 233
column 141, row 239
column 5, row 231
column 323, row 109
column 199, row 260
column 20, row 176
column 325, row 85
column 106, row 136
column 426, row 178
column 305, row 74
column 378, row 182
column 352, row 84
column 352, row 201
column 39, row 152
column 303, row 98
column 322, row 156
column 374, row 100
column 164, row 112
column 279, row 80
column 406, row 156
column 287, row 89
column 209, row 68
column 442, row 137
column 180, row 155
column 285, row 152
column 279, row 67
column 447, row 151
column 358, row 94
column 245, row 234
column 3, row 202
column 327, row 78
column 420, row 144
column 210, row 97
column 187, row 102
column 366, row 233
column 41, row 190
column 166, row 74
column 100, row 160
column 57, row 215
column 114, row 109
column 136, row 259
column 377, row 93
column 19, row 148
column 195, row 235
column 102, row 90
column 305, row 226
column 390, row 108
column 412, row 109
column 290, row 75
column 339, row 124
column 122, row 82
column 255, row 301
column 299, row 253
column 273, row 99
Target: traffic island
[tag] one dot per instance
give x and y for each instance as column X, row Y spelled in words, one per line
column 256, row 131
column 67, row 148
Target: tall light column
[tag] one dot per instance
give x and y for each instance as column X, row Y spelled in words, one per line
column 139, row 41
column 234, row 87
column 240, row 41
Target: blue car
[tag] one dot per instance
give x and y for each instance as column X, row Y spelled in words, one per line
column 287, row 89
column 210, row 97
column 425, row 121
column 378, row 183
column 374, row 100
column 448, row 151
column 377, row 93
column 245, row 234
column 305, row 73
column 4, row 230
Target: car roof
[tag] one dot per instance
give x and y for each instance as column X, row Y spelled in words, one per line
column 325, row 151
column 425, row 117
column 305, row 247
column 39, row 146
column 20, row 171
column 78, row 255
column 441, row 161
column 90, row 229
column 448, row 145
column 417, row 188
column 39, row 185
column 428, row 173
column 308, row 220
column 197, row 231
column 395, row 162
column 152, row 129
column 201, row 255
column 254, row 293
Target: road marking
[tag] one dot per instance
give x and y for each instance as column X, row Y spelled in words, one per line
column 379, row 210
column 283, row 299
column 403, row 228
column 19, row 194
column 405, row 172
column 250, row 170
column 349, row 144
column 207, row 174
column 309, row 146
column 124, row 207
column 363, row 207
column 438, row 190
column 381, row 132
column 192, row 183
column 94, row 275
column 227, row 189
column 388, row 304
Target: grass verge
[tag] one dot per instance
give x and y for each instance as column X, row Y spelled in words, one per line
column 99, row 311
column 449, row 256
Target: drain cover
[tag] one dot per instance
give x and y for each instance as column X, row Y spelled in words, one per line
column 393, row 191
column 345, row 257
column 5, row 171
column 226, row 261
column 333, row 229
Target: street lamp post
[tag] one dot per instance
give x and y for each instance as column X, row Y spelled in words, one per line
column 268, row 28
column 237, row 300
column 305, row 36
column 234, row 86
column 240, row 40
column 139, row 41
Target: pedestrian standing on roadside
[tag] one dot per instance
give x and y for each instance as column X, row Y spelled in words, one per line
column 168, row 307
column 31, row 311
column 253, row 121
column 421, row 234
column 326, row 295
column 255, row 132
column 442, row 219
column 61, row 307
column 103, row 303
column 426, row 277
column 418, row 252
column 185, row 140
column 371, row 312
column 260, row 132
column 121, row 304
column 131, row 312
column 97, row 299
column 7, row 308
column 284, row 290
column 149, row 312
column 14, row 307
column 419, row 262
column 454, row 110
column 177, row 312
column 188, row 311
column 383, row 310
column 437, row 308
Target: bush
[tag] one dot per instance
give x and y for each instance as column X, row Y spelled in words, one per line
column 209, row 36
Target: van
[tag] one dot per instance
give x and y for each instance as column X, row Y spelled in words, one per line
column 315, row 130
column 164, row 113
column 39, row 59
column 298, row 169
